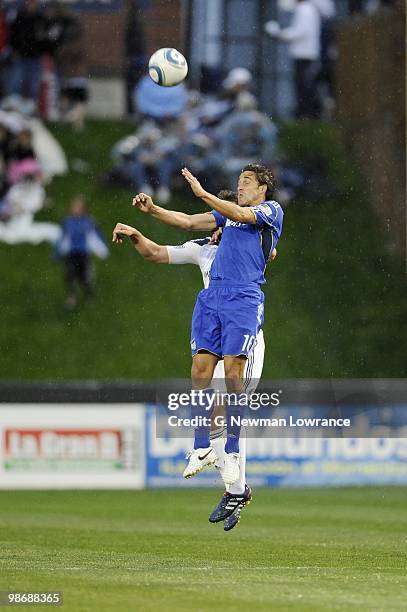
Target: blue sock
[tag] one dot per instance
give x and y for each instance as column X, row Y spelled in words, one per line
column 235, row 409
column 204, row 409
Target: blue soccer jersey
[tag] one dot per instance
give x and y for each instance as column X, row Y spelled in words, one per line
column 229, row 313
column 245, row 248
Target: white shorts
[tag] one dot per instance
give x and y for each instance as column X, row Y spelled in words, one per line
column 253, row 368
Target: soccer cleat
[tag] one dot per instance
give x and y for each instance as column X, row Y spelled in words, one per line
column 198, row 459
column 232, row 520
column 228, row 504
column 231, row 468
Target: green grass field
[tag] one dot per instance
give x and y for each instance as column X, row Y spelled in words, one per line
column 334, row 298
column 154, row 550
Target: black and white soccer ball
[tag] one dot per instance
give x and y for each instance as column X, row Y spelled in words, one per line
column 167, row 67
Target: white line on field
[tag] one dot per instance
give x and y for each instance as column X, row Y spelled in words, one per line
column 210, row 567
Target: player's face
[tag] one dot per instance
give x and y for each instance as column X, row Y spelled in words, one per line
column 248, row 189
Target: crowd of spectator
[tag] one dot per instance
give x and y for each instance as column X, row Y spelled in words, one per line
column 29, row 156
column 215, row 136
column 42, row 59
column 43, row 72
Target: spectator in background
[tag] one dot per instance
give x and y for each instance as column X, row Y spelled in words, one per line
column 154, row 161
column 3, row 48
column 27, row 37
column 55, row 26
column 237, row 81
column 25, row 197
column 134, row 47
column 244, row 135
column 303, row 37
column 80, row 238
column 5, row 138
column 326, row 8
column 73, row 72
column 55, row 16
column 213, row 111
column 21, row 146
column 325, row 78
column 159, row 103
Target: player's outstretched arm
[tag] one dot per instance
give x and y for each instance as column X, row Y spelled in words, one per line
column 203, row 221
column 227, row 209
column 148, row 249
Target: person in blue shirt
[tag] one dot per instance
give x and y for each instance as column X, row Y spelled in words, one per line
column 80, row 238
column 229, row 313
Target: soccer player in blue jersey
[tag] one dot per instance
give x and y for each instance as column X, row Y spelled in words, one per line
column 229, row 313
column 202, row 252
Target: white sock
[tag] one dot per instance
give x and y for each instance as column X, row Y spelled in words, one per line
column 238, row 487
column 218, row 445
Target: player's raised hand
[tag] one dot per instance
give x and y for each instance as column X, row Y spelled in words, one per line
column 120, row 230
column 216, row 236
column 195, row 185
column 143, row 202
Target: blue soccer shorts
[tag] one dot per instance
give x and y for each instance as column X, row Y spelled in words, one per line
column 227, row 319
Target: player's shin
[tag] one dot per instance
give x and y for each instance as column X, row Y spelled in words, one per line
column 235, row 411
column 202, row 406
column 202, row 403
column 234, row 414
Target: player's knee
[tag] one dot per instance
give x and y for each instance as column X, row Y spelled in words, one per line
column 201, row 370
column 234, row 374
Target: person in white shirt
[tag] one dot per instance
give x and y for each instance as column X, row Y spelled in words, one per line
column 303, row 37
column 326, row 8
column 201, row 252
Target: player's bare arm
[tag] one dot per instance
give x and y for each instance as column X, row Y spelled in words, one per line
column 202, row 221
column 227, row 209
column 148, row 249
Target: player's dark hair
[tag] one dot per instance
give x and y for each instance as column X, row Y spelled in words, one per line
column 264, row 177
column 226, row 194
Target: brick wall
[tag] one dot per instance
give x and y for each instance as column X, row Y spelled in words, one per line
column 104, row 33
column 104, row 43
column 371, row 111
column 164, row 25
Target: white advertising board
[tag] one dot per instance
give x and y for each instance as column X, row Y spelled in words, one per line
column 57, row 446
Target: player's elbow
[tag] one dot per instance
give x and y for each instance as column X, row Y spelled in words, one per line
column 151, row 256
column 188, row 224
column 158, row 255
column 242, row 216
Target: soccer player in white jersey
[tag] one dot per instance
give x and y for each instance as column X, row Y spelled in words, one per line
column 201, row 252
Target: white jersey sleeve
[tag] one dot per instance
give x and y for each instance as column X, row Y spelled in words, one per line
column 187, row 253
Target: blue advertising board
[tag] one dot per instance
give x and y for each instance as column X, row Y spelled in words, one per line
column 290, row 461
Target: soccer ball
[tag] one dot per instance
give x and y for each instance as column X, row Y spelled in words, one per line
column 167, row 67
